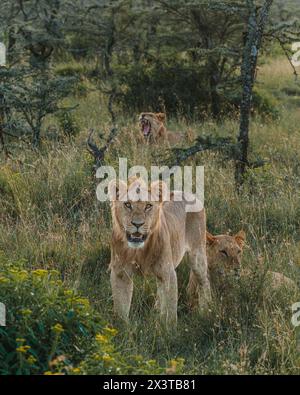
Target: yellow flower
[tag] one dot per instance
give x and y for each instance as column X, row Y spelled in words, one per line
column 175, row 365
column 48, row 373
column 83, row 301
column 68, row 292
column 23, row 274
column 54, row 272
column 107, row 358
column 20, row 340
column 151, row 362
column 58, row 328
column 31, row 360
column 101, row 338
column 40, row 272
column 26, row 312
column 76, row 370
column 139, row 358
column 23, row 349
column 3, row 280
column 111, row 331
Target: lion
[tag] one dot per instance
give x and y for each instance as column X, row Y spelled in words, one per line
column 153, row 129
column 224, row 256
column 150, row 236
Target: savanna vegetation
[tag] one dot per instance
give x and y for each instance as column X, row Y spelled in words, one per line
column 76, row 66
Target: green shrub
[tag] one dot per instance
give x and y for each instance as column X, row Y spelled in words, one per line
column 44, row 321
column 265, row 103
column 177, row 87
column 53, row 330
column 182, row 89
column 68, row 124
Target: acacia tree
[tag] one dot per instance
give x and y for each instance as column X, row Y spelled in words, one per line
column 107, row 30
column 258, row 27
column 30, row 91
column 210, row 32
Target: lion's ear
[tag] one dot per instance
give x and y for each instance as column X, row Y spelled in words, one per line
column 159, row 191
column 210, row 239
column 240, row 238
column 116, row 189
column 161, row 116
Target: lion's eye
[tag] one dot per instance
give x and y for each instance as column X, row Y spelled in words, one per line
column 148, row 207
column 128, row 205
column 223, row 252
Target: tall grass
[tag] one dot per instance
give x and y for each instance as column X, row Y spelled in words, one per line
column 50, row 216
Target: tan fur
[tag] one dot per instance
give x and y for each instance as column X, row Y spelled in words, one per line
column 224, row 254
column 158, row 131
column 169, row 232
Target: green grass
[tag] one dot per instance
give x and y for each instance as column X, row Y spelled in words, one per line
column 50, row 217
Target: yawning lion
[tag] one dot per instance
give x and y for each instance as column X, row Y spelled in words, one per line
column 153, row 129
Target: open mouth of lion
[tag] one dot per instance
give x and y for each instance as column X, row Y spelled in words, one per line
column 136, row 239
column 145, row 127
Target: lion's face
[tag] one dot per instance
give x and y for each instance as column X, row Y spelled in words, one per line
column 226, row 251
column 137, row 219
column 136, row 215
column 150, row 124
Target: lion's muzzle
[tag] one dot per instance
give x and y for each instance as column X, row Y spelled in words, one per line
column 136, row 240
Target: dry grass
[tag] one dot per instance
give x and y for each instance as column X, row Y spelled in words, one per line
column 49, row 216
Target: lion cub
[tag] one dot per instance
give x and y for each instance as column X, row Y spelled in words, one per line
column 151, row 234
column 224, row 255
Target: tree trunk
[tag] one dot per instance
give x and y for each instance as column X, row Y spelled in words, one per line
column 255, row 30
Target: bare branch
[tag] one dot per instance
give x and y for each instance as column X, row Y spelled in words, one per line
column 98, row 153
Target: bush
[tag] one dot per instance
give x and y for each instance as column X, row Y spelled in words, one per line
column 263, row 103
column 182, row 89
column 177, row 87
column 68, row 124
column 54, row 330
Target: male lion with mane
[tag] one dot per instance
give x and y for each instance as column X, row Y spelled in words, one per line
column 150, row 236
column 153, row 129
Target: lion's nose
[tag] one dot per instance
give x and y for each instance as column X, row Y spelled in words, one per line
column 137, row 223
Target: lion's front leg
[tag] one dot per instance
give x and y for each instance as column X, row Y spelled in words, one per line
column 122, row 289
column 168, row 295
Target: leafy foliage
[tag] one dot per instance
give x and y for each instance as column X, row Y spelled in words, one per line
column 54, row 330
column 31, row 95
